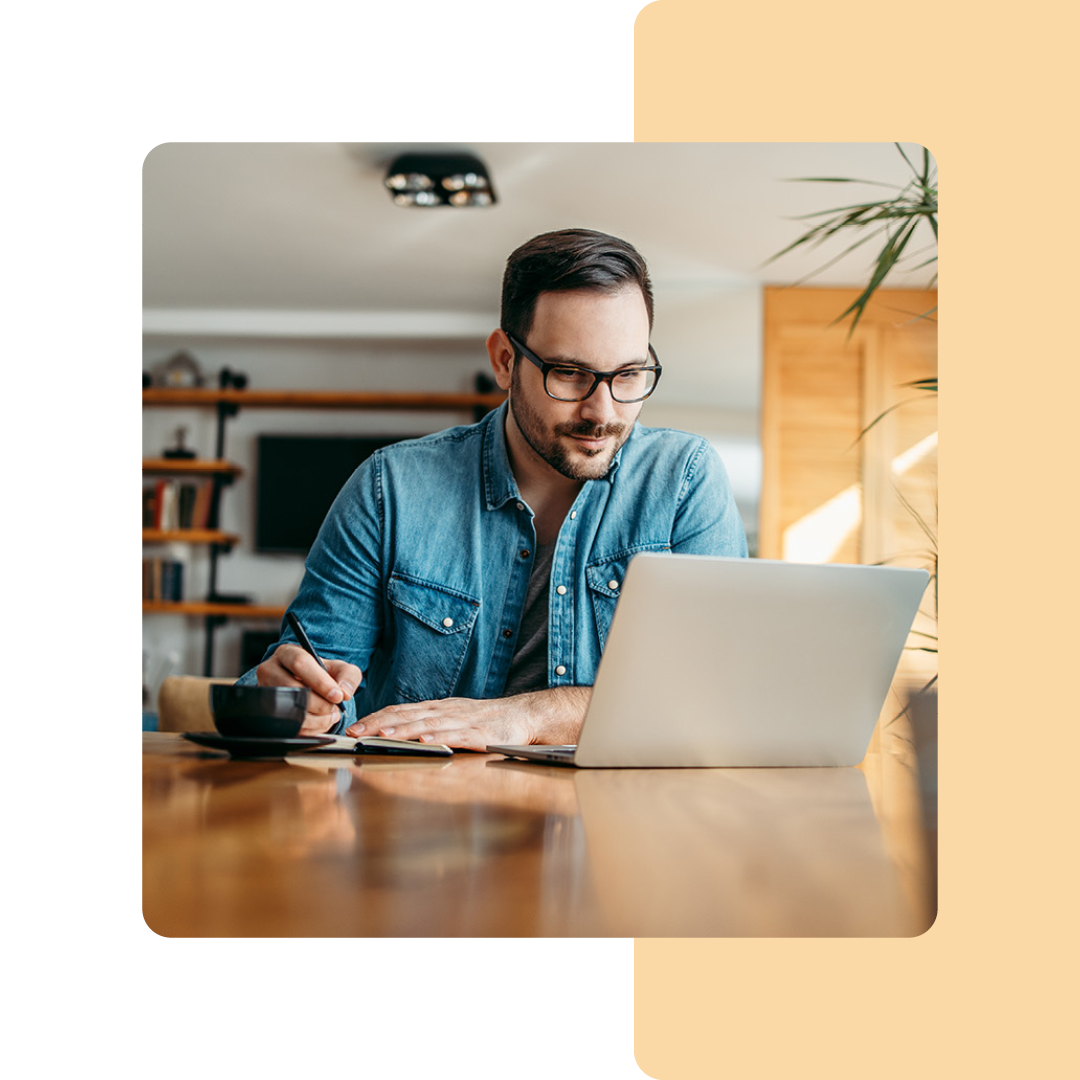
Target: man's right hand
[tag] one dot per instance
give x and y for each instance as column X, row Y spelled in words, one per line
column 292, row 666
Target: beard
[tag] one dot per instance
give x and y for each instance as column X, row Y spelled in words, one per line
column 573, row 462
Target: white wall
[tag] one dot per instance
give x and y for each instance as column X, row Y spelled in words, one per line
column 709, row 341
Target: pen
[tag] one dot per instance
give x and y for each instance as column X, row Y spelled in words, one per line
column 304, row 640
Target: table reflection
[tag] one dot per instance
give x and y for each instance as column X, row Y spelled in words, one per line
column 482, row 846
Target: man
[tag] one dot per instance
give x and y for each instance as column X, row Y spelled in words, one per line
column 462, row 585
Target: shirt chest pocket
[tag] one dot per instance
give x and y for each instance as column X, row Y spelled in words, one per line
column 432, row 627
column 604, row 580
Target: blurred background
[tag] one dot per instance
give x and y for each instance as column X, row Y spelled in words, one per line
column 291, row 267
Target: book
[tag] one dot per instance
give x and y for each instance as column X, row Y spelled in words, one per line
column 186, row 501
column 159, row 498
column 163, row 579
column 166, row 505
column 172, row 581
column 149, row 510
column 200, row 513
column 374, row 744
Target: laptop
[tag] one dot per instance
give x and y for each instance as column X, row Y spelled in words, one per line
column 717, row 662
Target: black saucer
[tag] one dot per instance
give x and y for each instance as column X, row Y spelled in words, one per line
column 256, row 749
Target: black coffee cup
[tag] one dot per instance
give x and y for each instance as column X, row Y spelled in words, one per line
column 258, row 712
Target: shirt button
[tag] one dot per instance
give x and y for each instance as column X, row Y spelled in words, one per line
column 573, row 514
column 448, row 622
column 560, row 670
column 508, row 634
column 612, row 584
column 525, row 553
column 521, row 506
column 561, row 590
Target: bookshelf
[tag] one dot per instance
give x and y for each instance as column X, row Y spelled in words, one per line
column 206, row 607
column 189, row 536
column 218, row 473
column 319, row 399
column 189, row 467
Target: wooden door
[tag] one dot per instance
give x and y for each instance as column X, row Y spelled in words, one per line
column 831, row 490
column 829, row 495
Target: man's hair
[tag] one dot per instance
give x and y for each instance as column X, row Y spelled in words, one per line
column 563, row 261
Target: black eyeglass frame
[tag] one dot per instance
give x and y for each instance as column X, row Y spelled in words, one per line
column 598, row 376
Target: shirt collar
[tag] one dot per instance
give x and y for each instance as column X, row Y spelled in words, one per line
column 499, row 483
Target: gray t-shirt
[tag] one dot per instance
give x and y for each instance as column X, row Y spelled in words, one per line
column 529, row 667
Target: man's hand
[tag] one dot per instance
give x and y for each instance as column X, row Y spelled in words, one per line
column 546, row 716
column 292, row 666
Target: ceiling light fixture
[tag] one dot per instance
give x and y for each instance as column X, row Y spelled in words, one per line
column 423, row 179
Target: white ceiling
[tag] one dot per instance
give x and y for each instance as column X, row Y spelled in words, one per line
column 310, row 228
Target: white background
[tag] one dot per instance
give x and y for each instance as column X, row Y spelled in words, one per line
column 90, row 90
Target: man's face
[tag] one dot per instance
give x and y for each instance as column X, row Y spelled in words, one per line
column 603, row 331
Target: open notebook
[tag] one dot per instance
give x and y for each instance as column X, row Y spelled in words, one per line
column 374, row 744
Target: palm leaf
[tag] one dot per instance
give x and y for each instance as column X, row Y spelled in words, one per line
column 843, row 180
column 927, row 262
column 924, row 176
column 916, row 318
column 877, row 419
column 885, row 262
column 898, row 216
column 919, row 520
column 847, row 251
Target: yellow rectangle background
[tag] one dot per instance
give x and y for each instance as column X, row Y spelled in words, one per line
column 989, row 990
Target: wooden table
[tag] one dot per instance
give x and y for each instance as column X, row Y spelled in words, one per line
column 481, row 846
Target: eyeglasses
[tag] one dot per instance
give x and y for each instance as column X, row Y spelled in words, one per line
column 569, row 382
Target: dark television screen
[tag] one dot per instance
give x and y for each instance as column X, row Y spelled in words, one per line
column 298, row 477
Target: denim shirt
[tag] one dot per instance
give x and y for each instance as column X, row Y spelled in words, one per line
column 419, row 572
